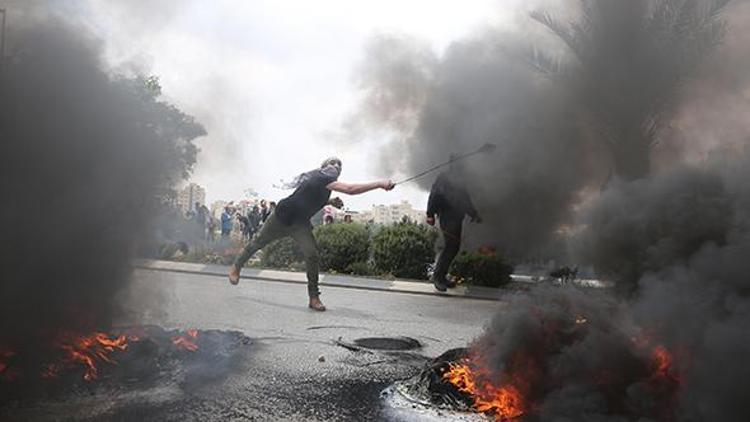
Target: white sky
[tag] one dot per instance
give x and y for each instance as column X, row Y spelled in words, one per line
column 268, row 78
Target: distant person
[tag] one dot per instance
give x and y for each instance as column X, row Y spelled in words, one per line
column 226, row 222
column 255, row 218
column 211, row 229
column 347, row 218
column 312, row 191
column 244, row 225
column 264, row 211
column 202, row 219
column 200, row 216
column 328, row 219
column 450, row 201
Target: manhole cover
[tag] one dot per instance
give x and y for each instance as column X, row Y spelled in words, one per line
column 388, row 343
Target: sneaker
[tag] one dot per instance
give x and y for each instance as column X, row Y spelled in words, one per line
column 234, row 275
column 440, row 284
column 316, row 305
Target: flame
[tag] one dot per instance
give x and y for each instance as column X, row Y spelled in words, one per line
column 662, row 362
column 504, row 402
column 186, row 342
column 87, row 351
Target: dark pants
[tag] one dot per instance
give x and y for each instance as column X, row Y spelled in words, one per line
column 301, row 233
column 451, row 229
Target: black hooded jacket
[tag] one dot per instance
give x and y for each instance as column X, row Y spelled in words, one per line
column 449, row 199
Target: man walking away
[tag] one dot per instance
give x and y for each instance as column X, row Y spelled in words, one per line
column 312, row 191
column 450, row 201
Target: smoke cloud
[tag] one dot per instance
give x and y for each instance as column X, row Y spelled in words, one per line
column 480, row 92
column 574, row 98
column 86, row 157
column 665, row 217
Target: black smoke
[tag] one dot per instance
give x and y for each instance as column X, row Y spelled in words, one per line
column 86, row 160
column 675, row 238
column 575, row 96
column 481, row 92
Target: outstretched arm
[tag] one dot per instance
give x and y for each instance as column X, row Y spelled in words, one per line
column 358, row 188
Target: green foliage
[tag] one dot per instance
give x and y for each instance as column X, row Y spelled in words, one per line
column 404, row 250
column 341, row 245
column 363, row 268
column 490, row 270
column 282, row 253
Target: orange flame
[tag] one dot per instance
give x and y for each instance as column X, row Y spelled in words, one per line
column 87, row 351
column 186, row 342
column 662, row 361
column 504, row 402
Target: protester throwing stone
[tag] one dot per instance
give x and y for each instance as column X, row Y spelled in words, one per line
column 450, row 201
column 312, row 191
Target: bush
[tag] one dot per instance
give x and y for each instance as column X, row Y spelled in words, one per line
column 490, row 270
column 361, row 268
column 281, row 253
column 404, row 250
column 341, row 245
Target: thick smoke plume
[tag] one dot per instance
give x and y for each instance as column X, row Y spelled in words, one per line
column 85, row 159
column 574, row 101
column 634, row 146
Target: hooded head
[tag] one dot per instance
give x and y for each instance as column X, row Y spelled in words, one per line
column 331, row 167
column 331, row 164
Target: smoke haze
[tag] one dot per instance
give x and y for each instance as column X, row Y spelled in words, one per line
column 665, row 216
column 84, row 158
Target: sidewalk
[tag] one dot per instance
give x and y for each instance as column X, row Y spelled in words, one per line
column 346, row 281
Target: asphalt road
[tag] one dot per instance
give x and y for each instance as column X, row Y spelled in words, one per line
column 293, row 366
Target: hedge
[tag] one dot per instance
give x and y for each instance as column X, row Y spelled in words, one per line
column 404, row 250
column 482, row 269
column 341, row 245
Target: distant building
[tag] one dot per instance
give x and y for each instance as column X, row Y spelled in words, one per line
column 189, row 195
column 389, row 214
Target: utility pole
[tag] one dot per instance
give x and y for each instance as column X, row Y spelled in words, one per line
column 2, row 39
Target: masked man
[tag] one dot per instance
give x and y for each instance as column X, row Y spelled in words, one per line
column 450, row 202
column 312, row 191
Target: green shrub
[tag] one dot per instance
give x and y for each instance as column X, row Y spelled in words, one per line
column 341, row 245
column 281, row 253
column 404, row 250
column 361, row 268
column 490, row 270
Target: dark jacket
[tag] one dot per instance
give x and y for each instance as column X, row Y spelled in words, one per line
column 449, row 199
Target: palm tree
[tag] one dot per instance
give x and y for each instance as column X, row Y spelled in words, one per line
column 628, row 62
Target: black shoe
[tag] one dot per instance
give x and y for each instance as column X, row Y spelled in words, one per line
column 440, row 285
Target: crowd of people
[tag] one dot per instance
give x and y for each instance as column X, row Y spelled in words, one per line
column 204, row 226
column 250, row 223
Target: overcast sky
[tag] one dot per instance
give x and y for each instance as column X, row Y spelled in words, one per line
column 270, row 78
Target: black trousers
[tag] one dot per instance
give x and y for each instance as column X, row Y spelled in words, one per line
column 451, row 229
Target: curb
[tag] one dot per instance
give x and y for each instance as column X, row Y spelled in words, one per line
column 332, row 280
